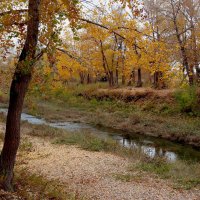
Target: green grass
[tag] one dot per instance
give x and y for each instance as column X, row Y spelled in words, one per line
column 90, row 142
column 187, row 100
column 184, row 175
column 86, row 141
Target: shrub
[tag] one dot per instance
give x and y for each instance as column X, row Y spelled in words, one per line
column 187, row 100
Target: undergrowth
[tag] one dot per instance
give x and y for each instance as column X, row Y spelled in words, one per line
column 31, row 187
column 188, row 101
column 185, row 175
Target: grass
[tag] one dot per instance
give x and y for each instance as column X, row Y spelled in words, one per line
column 83, row 140
column 184, row 175
column 188, row 100
column 181, row 174
column 90, row 142
column 26, row 145
column 32, row 187
column 86, row 141
column 124, row 177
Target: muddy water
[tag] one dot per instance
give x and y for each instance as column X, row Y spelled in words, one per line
column 151, row 146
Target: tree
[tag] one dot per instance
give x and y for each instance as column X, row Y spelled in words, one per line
column 19, row 85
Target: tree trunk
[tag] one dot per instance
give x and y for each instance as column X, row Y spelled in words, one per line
column 19, row 85
column 189, row 69
column 158, row 83
column 139, row 81
column 123, row 80
column 82, row 77
column 89, row 80
column 182, row 45
column 191, row 75
column 117, row 77
column 111, row 79
column 197, row 73
column 132, row 78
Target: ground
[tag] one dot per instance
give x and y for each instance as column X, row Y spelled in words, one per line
column 91, row 175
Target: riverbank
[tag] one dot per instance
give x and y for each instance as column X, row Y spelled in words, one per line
column 148, row 112
column 53, row 166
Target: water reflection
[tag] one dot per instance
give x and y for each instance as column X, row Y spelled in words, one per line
column 148, row 148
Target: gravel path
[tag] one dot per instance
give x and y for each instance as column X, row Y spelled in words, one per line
column 91, row 174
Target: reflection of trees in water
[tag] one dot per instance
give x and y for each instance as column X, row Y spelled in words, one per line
column 152, row 150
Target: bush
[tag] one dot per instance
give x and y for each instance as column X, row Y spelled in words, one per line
column 187, row 100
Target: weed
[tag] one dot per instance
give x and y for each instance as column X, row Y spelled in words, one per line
column 124, row 177
column 187, row 100
column 86, row 141
column 26, row 145
column 179, row 172
column 32, row 186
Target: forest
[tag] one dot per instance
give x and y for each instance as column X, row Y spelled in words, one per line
column 100, row 99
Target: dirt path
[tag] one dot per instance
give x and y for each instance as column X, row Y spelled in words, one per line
column 93, row 174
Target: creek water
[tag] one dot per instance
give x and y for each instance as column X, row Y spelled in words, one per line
column 152, row 147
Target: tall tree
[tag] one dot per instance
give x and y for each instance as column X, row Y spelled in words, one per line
column 19, row 85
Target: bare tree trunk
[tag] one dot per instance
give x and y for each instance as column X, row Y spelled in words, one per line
column 82, row 77
column 158, row 83
column 19, row 85
column 117, row 77
column 132, row 78
column 197, row 73
column 139, row 81
column 123, row 79
column 181, row 44
column 89, row 80
column 111, row 79
column 117, row 73
column 195, row 54
column 123, row 71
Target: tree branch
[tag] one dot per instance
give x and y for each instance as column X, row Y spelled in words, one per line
column 13, row 12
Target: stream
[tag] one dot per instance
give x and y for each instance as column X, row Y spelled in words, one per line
column 152, row 147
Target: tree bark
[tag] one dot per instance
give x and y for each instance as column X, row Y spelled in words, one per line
column 181, row 43
column 158, row 83
column 139, row 81
column 117, row 76
column 82, row 77
column 19, row 85
column 132, row 78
